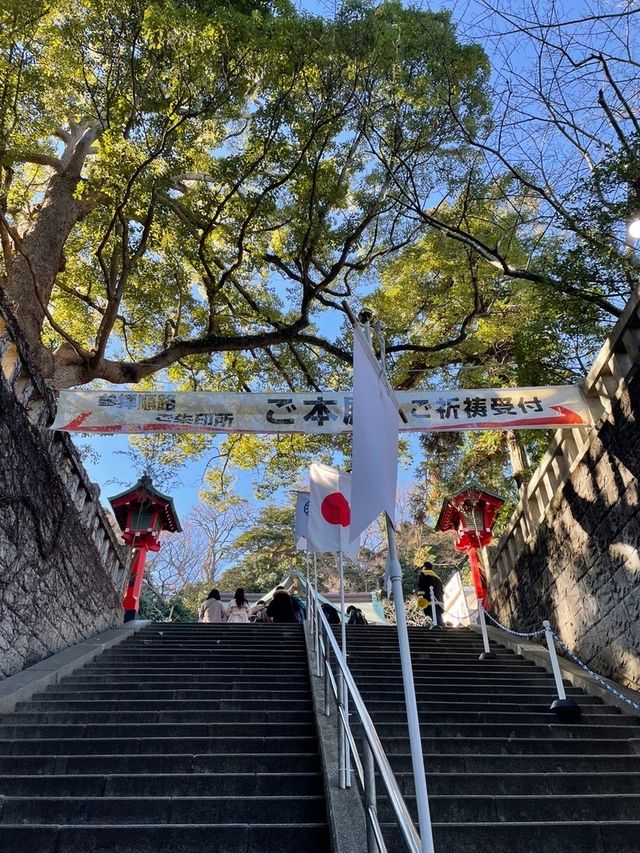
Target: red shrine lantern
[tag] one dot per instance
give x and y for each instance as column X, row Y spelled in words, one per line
column 471, row 514
column 142, row 513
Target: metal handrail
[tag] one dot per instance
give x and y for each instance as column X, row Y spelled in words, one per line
column 400, row 810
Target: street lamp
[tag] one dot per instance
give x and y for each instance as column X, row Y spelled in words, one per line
column 633, row 228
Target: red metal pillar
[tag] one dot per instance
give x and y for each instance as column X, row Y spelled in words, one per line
column 479, row 583
column 132, row 595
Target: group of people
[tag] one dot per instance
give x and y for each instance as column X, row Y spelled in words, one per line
column 283, row 608
column 287, row 608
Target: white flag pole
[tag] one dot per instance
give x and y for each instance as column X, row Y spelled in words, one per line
column 415, row 741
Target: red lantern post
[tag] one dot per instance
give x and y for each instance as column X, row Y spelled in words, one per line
column 470, row 514
column 142, row 513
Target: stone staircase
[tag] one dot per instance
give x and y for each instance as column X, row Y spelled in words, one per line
column 503, row 774
column 183, row 737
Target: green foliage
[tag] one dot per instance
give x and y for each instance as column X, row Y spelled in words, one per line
column 234, row 185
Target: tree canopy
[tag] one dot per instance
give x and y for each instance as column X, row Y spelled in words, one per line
column 188, row 187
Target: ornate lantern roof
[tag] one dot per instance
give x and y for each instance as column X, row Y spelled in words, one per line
column 143, row 509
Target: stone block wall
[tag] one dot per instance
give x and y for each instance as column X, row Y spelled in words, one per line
column 62, row 569
column 580, row 568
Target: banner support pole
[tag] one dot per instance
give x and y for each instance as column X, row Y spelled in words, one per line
column 415, row 741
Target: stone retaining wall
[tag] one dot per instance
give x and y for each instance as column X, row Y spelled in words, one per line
column 580, row 566
column 62, row 569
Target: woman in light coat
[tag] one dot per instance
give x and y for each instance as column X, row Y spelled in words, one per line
column 211, row 609
column 239, row 610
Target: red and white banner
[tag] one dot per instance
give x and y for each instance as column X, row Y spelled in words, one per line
column 329, row 523
column 325, row 413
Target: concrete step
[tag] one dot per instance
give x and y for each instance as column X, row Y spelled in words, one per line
column 189, row 838
column 163, row 785
column 162, row 810
column 509, row 763
column 158, row 746
column 143, row 764
column 528, row 703
column 106, row 704
column 543, row 717
column 530, row 783
column 185, row 678
column 481, row 745
column 552, row 837
column 510, row 730
column 186, row 714
column 529, row 808
column 244, row 692
column 251, row 731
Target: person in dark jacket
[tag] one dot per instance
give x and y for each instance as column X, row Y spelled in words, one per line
column 331, row 614
column 280, row 608
column 428, row 580
column 356, row 616
column 299, row 608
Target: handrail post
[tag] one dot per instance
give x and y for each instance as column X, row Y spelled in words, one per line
column 370, row 802
column 317, row 620
column 434, row 609
column 342, row 758
column 415, row 740
column 327, row 680
column 487, row 654
column 308, row 614
column 344, row 696
column 566, row 709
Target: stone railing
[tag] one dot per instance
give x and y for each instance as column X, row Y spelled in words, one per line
column 30, row 390
column 603, row 385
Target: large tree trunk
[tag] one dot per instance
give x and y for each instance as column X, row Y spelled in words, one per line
column 518, row 457
column 40, row 256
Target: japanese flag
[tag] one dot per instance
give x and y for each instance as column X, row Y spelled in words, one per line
column 302, row 520
column 375, row 438
column 330, row 512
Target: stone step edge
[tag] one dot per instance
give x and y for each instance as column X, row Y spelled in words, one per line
column 23, row 685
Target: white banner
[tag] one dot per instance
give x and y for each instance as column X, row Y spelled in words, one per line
column 326, row 413
column 375, row 439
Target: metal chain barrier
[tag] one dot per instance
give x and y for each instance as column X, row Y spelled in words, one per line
column 530, row 635
column 574, row 657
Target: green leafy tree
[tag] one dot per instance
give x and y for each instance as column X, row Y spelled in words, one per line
column 188, row 187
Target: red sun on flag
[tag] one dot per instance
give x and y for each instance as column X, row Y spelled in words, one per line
column 335, row 509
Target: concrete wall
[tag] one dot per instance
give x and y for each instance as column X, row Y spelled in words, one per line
column 578, row 562
column 62, row 569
